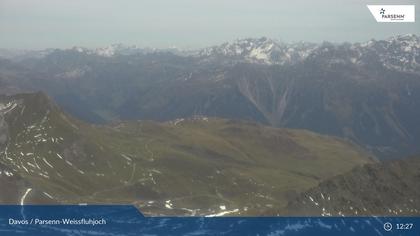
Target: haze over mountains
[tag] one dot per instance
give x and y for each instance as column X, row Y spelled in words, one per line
column 367, row 92
column 244, row 128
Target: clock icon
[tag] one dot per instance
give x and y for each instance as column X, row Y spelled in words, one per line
column 387, row 226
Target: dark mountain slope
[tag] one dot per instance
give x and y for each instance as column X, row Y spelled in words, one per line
column 389, row 188
column 375, row 109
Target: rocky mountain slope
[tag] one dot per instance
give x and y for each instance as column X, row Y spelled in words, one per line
column 196, row 166
column 382, row 189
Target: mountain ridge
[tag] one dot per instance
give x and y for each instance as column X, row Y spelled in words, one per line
column 367, row 92
column 261, row 50
column 199, row 166
column 389, row 189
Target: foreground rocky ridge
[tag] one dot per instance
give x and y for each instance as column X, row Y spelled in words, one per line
column 391, row 188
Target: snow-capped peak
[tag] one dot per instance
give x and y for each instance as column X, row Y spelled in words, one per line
column 400, row 52
column 115, row 49
column 260, row 50
column 109, row 51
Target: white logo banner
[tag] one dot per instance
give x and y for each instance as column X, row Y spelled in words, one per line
column 393, row 13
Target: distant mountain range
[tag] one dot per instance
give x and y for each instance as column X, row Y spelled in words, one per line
column 399, row 52
column 365, row 92
column 252, row 127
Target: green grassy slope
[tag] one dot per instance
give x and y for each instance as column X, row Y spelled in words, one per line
column 198, row 166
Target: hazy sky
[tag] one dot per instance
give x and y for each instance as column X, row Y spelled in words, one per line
column 189, row 23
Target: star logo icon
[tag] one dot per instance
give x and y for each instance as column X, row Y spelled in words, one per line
column 382, row 11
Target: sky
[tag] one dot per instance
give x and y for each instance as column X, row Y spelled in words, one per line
column 188, row 24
